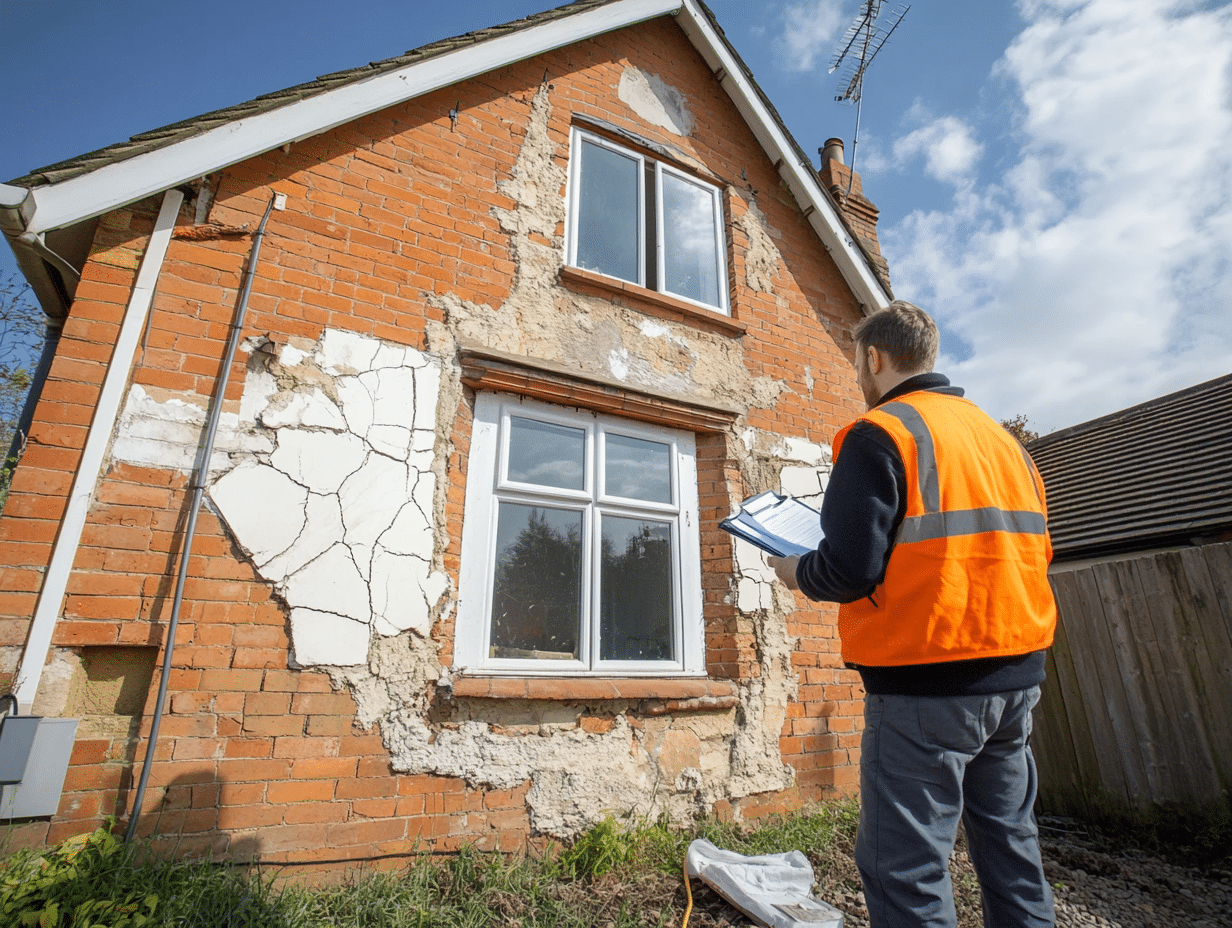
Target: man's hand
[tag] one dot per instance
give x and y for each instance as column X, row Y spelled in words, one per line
column 785, row 569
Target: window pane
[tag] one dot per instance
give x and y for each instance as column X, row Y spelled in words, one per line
column 638, row 469
column 607, row 213
column 537, row 592
column 690, row 241
column 635, row 590
column 547, row 455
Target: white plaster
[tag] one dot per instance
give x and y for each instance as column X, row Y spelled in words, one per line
column 357, row 406
column 346, row 352
column 655, row 101
column 322, row 528
column 311, row 409
column 427, row 389
column 394, row 396
column 392, row 356
column 290, row 356
column 167, row 435
column 390, row 440
column 806, row 452
column 801, row 482
column 368, row 503
column 653, row 329
column 322, row 638
column 400, row 593
column 263, row 507
column 406, row 535
column 321, row 461
column 618, row 363
column 331, row 583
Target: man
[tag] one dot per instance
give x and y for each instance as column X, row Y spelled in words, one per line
column 936, row 547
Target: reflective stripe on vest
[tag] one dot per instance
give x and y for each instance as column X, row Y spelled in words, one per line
column 937, row 524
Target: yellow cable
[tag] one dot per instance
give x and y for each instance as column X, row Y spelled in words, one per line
column 688, row 892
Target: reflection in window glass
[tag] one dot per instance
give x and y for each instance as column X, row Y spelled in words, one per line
column 635, row 584
column 637, row 469
column 537, row 593
column 547, row 455
column 607, row 238
column 690, row 256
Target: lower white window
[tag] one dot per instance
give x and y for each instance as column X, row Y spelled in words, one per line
column 580, row 549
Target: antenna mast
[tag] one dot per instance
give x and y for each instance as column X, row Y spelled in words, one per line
column 855, row 51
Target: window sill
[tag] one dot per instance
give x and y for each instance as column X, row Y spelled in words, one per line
column 672, row 694
column 650, row 301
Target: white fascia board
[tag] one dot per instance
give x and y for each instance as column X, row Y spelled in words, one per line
column 800, row 178
column 127, row 181
column 93, row 455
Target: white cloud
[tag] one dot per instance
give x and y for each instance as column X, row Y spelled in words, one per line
column 809, row 29
column 949, row 148
column 1094, row 273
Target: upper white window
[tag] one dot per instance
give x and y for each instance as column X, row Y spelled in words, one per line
column 645, row 222
column 580, row 548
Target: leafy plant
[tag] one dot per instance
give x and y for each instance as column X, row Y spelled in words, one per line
column 96, row 881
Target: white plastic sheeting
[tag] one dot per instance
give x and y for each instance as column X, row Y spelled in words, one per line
column 774, row 890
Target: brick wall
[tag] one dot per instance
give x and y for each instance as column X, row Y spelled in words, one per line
column 256, row 757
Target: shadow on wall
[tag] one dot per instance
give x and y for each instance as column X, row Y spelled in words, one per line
column 182, row 818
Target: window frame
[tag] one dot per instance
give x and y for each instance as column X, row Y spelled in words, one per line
column 651, row 234
column 488, row 485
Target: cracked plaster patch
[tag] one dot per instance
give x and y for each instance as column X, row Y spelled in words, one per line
column 803, row 472
column 327, row 478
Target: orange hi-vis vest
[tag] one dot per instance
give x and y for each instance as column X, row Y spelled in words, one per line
column 968, row 572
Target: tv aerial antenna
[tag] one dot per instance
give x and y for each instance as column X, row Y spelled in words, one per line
column 855, row 51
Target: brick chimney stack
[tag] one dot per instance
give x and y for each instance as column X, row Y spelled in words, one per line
column 857, row 211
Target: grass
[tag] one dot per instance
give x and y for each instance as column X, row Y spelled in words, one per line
column 617, row 875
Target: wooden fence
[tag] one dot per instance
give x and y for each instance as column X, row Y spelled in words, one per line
column 1137, row 709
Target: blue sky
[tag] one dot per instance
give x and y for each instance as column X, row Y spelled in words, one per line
column 1054, row 176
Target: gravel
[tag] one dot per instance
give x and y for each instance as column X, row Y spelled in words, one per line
column 1095, row 886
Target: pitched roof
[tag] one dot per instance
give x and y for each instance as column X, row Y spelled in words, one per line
column 69, row 192
column 1153, row 475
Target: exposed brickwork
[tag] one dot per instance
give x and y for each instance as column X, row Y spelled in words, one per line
column 256, row 757
column 858, row 211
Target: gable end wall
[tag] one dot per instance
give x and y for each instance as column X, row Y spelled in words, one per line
column 422, row 234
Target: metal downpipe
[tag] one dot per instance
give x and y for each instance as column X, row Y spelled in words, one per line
column 200, row 474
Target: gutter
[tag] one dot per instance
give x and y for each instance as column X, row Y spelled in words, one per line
column 16, row 209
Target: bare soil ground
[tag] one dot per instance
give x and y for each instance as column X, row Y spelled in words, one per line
column 1096, row 885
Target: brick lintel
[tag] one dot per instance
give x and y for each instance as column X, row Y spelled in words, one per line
column 497, row 371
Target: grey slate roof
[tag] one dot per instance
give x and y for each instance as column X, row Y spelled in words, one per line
column 1153, row 475
column 166, row 135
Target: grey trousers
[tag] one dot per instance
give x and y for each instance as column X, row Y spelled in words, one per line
column 925, row 762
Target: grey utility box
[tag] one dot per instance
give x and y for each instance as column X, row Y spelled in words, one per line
column 16, row 739
column 42, row 781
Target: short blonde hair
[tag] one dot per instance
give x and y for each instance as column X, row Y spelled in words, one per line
column 905, row 333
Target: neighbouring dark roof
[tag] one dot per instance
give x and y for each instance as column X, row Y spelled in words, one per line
column 1153, row 475
column 167, row 135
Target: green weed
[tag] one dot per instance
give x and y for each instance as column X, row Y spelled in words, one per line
column 614, row 876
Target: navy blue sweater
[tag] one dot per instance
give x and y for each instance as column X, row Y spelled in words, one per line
column 863, row 507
